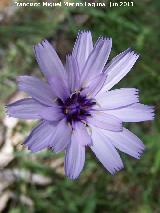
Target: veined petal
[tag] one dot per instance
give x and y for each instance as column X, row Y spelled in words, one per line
column 94, row 85
column 105, row 121
column 37, row 89
column 62, row 136
column 82, row 136
column 133, row 113
column 53, row 113
column 59, row 87
column 105, row 152
column 74, row 158
column 48, row 60
column 72, row 73
column 82, row 48
column 118, row 68
column 26, row 108
column 126, row 142
column 118, row 58
column 97, row 59
column 52, row 68
column 118, row 98
column 40, row 136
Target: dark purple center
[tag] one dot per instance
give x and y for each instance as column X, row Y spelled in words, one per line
column 76, row 107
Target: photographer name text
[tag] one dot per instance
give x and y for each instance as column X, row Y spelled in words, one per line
column 75, row 4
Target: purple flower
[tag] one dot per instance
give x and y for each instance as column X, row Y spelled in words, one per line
column 76, row 107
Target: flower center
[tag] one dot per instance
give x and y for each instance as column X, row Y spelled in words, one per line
column 76, row 107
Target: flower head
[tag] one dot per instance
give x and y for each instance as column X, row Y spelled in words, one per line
column 76, row 107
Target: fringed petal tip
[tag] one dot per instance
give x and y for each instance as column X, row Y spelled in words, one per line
column 134, row 55
column 139, row 154
column 116, row 169
column 136, row 94
column 40, row 137
column 32, row 150
column 131, row 51
column 68, row 56
column 53, row 149
column 118, row 67
column 79, row 34
column 37, row 47
column 82, row 48
column 150, row 110
column 83, row 31
column 72, row 178
column 31, row 147
column 41, row 43
column 44, row 41
column 103, row 38
column 6, row 110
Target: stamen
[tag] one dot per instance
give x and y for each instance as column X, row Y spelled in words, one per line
column 75, row 92
column 85, row 123
column 66, row 111
column 77, row 107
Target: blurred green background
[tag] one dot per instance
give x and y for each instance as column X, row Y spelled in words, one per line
column 36, row 182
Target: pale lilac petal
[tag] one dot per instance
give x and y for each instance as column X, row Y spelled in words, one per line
column 97, row 59
column 26, row 108
column 62, row 136
column 118, row 98
column 82, row 135
column 133, row 113
column 40, row 137
column 52, row 68
column 48, row 60
column 53, row 113
column 82, row 48
column 59, row 87
column 105, row 121
column 94, row 85
column 74, row 158
column 126, row 142
column 118, row 68
column 72, row 73
column 117, row 58
column 105, row 152
column 37, row 89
